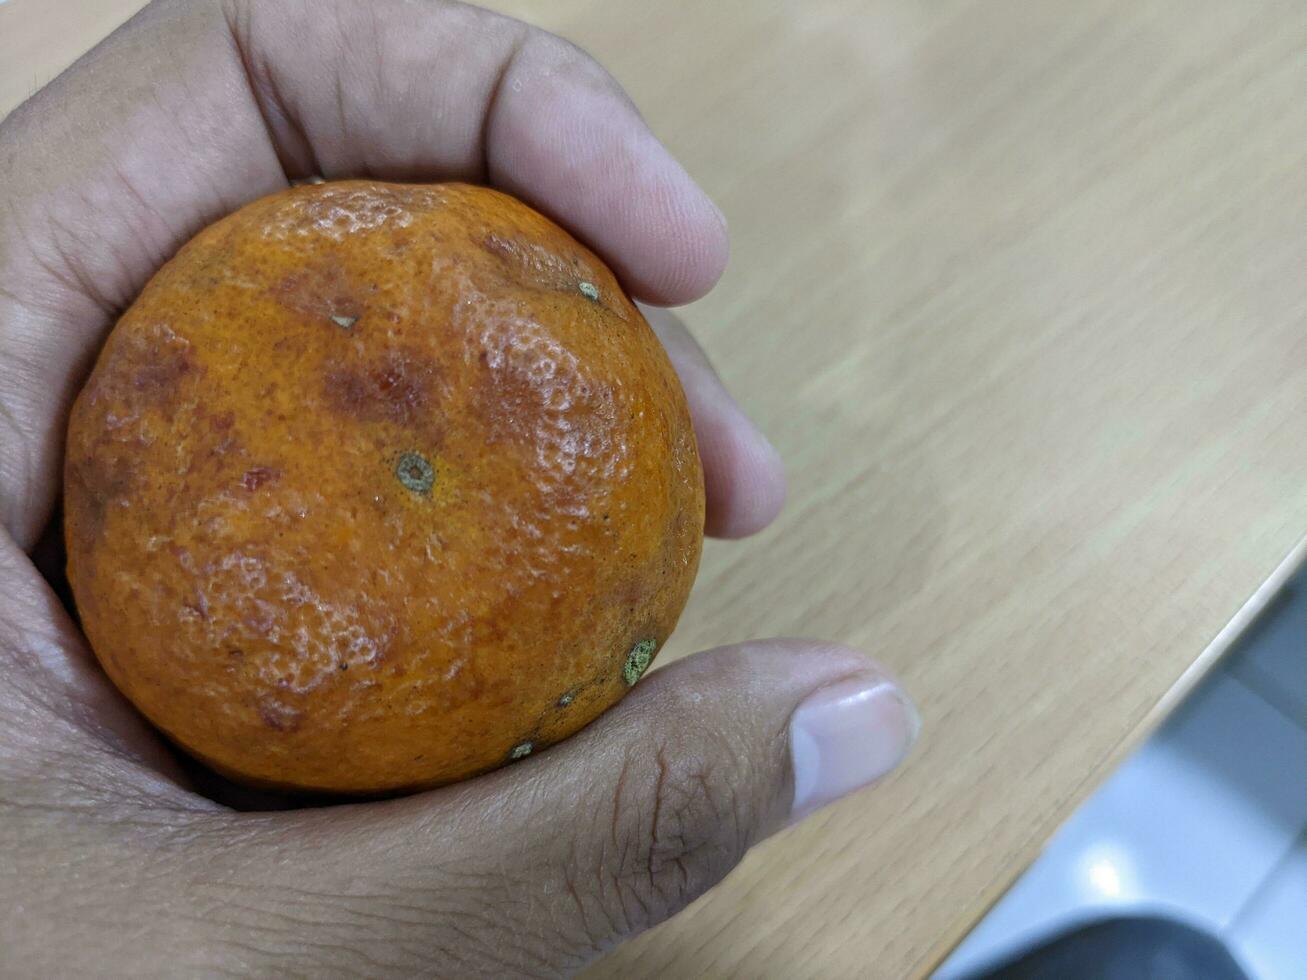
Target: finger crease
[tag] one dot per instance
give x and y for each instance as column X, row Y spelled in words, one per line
column 493, row 98
column 240, row 42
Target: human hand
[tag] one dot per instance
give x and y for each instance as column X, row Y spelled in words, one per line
column 114, row 864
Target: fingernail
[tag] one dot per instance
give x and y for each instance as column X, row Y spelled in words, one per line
column 846, row 736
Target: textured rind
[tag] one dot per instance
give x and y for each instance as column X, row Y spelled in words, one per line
column 263, row 567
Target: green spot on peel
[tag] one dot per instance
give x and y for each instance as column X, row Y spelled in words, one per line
column 637, row 661
column 520, row 751
column 567, row 699
column 590, row 291
column 415, row 473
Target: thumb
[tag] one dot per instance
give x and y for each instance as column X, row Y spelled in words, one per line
column 540, row 867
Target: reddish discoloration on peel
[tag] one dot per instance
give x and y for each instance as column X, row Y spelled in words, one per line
column 160, row 378
column 504, row 397
column 100, row 481
column 150, row 374
column 397, row 387
column 261, row 580
column 320, row 293
column 258, row 476
column 279, row 716
column 536, row 266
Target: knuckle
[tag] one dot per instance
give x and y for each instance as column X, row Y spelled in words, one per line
column 559, row 60
column 553, row 50
column 681, row 819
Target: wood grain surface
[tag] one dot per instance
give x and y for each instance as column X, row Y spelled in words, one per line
column 1020, row 291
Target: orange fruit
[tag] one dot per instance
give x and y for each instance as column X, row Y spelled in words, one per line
column 378, row 486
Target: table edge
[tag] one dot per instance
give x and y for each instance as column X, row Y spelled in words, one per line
column 1248, row 613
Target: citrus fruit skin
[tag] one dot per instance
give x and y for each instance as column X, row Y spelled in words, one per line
column 378, row 486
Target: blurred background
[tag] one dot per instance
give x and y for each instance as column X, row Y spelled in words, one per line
column 1019, row 290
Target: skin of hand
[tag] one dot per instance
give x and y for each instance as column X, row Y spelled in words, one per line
column 113, row 863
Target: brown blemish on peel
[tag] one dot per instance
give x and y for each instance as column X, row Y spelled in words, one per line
column 321, row 293
column 506, row 399
column 258, row 476
column 635, row 591
column 531, row 264
column 101, row 486
column 279, row 716
column 219, row 424
column 532, row 392
column 142, row 372
column 159, row 378
column 399, row 387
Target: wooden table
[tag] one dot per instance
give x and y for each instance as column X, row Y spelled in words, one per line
column 1020, row 291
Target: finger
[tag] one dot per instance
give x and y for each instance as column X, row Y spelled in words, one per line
column 540, row 867
column 53, row 696
column 193, row 108
column 545, row 122
column 744, row 478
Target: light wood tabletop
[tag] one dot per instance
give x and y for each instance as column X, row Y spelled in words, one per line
column 1020, row 292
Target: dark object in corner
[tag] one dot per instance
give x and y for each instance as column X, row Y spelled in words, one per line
column 1126, row 948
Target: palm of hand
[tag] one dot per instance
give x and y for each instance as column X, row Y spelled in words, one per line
column 120, row 862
